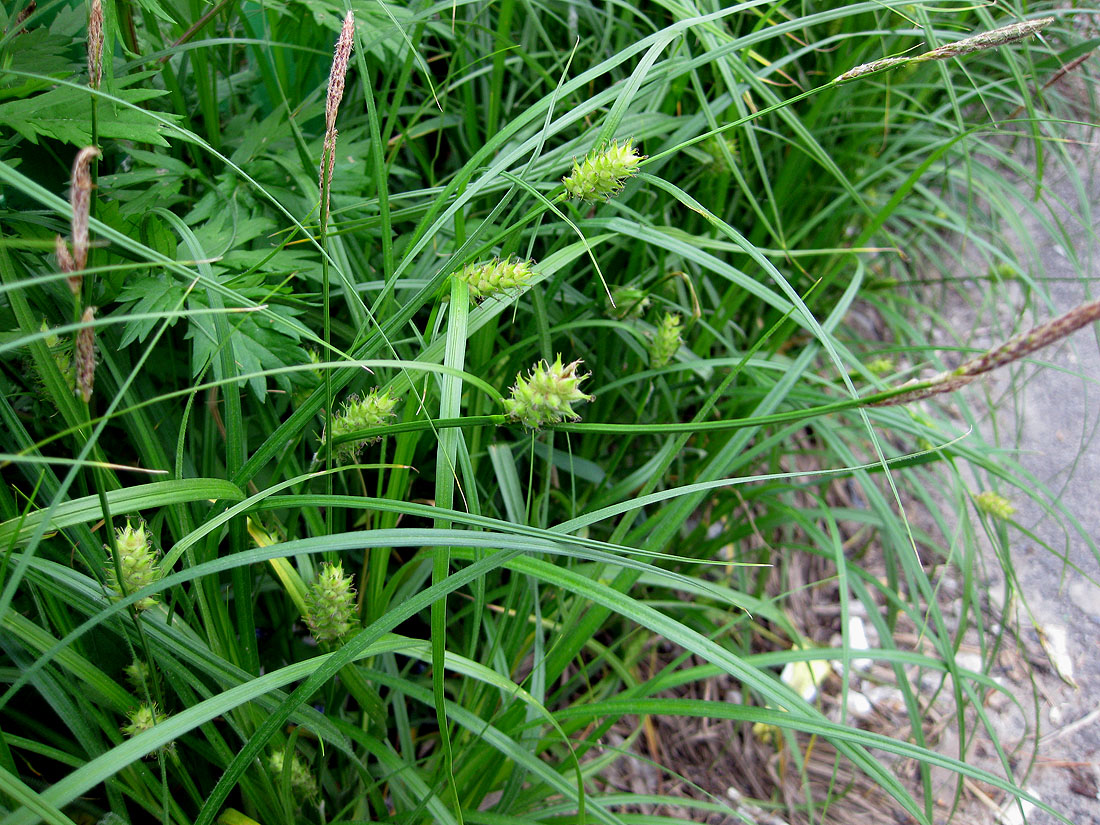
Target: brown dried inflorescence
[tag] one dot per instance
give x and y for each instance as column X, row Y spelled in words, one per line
column 80, row 196
column 1017, row 347
column 332, row 103
column 85, row 356
column 95, row 44
column 980, row 42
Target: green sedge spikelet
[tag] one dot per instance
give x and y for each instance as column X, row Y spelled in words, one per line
column 880, row 366
column 716, row 149
column 139, row 675
column 666, row 340
column 301, row 780
column 994, row 504
column 601, row 175
column 144, row 718
column 330, row 604
column 136, row 564
column 316, row 374
column 376, row 409
column 61, row 353
column 545, row 396
column 495, row 276
column 630, row 302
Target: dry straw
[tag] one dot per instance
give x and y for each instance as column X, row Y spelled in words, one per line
column 1014, row 349
column 979, row 42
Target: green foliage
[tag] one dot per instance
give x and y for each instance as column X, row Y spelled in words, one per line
column 526, row 584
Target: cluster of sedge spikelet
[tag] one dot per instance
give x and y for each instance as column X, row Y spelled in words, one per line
column 144, row 717
column 629, row 302
column 135, row 566
column 994, row 504
column 493, row 277
column 330, row 604
column 301, row 780
column 374, row 410
column 547, row 394
column 603, row 174
column 665, row 341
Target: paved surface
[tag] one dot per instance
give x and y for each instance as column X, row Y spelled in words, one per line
column 1051, row 413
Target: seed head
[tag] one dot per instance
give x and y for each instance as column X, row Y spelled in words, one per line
column 139, row 674
column 362, row 414
column 545, row 396
column 80, row 196
column 144, row 718
column 630, row 302
column 66, row 263
column 85, row 355
column 603, row 174
column 21, row 18
column 336, row 77
column 330, row 604
column 495, row 276
column 880, row 366
column 717, row 158
column 1012, row 33
column 994, row 504
column 136, row 564
column 95, row 44
column 339, row 71
column 665, row 341
column 61, row 353
column 301, row 780
column 1015, row 348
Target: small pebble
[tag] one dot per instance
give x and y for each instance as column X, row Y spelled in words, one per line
column 859, row 705
column 1086, row 596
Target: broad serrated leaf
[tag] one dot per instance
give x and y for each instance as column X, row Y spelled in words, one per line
column 259, row 343
column 152, row 179
column 157, row 293
column 65, row 114
column 378, row 27
column 38, row 52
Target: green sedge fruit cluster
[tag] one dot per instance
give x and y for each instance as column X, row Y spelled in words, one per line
column 545, row 396
column 880, row 366
column 994, row 504
column 357, row 414
column 330, row 604
column 301, row 780
column 495, row 276
column 135, row 566
column 630, row 302
column 602, row 174
column 139, row 675
column 666, row 340
column 144, row 718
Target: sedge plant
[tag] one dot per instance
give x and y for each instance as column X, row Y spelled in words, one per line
column 414, row 562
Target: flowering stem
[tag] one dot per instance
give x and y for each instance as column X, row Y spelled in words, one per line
column 95, row 80
column 1003, row 36
column 336, row 78
column 1014, row 349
